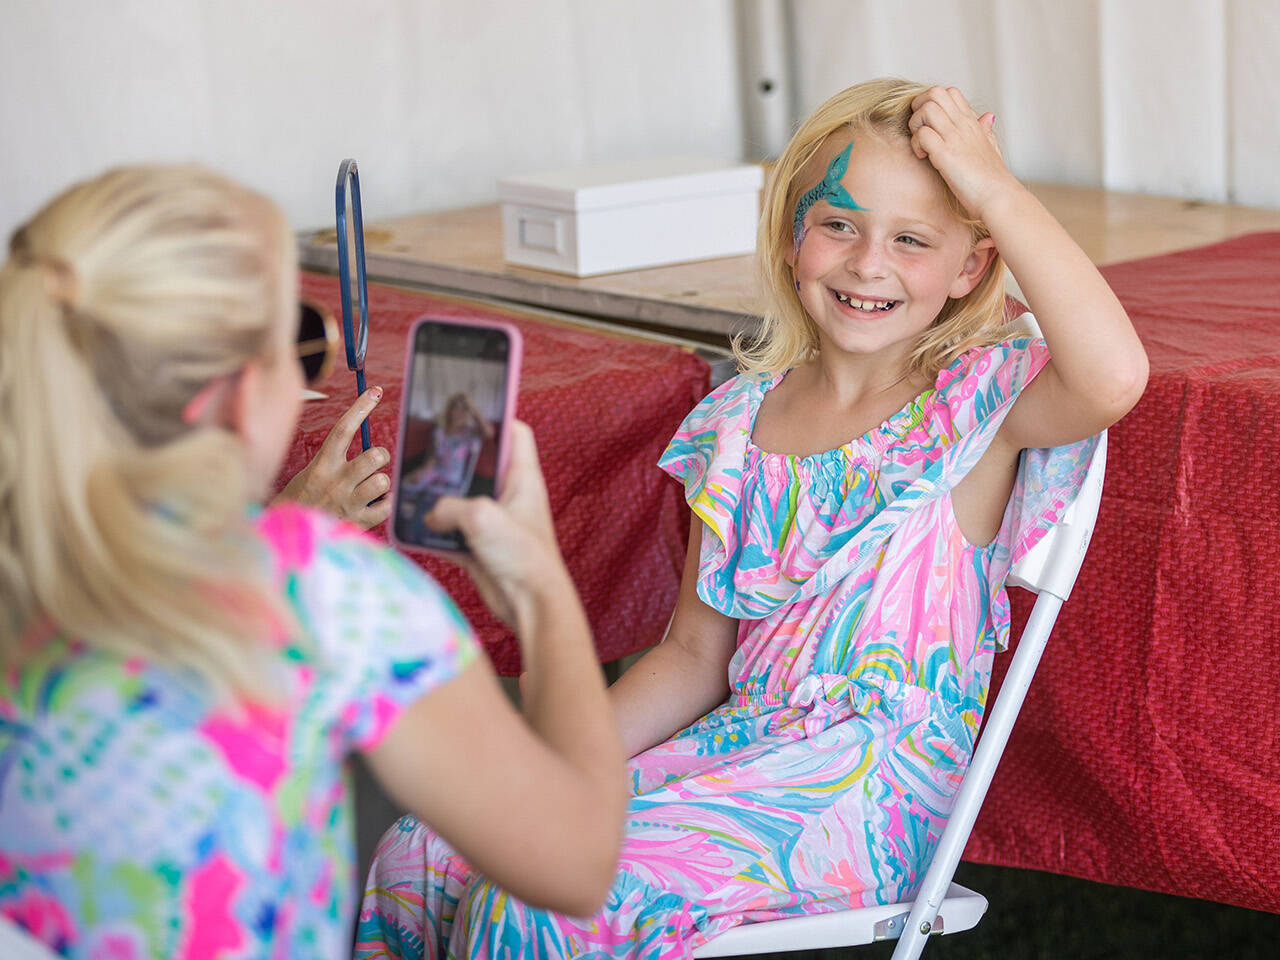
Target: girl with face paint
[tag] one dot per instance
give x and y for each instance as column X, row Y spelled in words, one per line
column 859, row 494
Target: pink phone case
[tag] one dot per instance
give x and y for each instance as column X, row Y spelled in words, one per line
column 515, row 354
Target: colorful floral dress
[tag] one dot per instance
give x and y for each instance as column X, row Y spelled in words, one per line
column 867, row 629
column 140, row 819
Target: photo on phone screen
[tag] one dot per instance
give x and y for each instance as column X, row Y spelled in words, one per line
column 457, row 394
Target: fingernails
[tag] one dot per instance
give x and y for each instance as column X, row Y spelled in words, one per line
column 377, row 394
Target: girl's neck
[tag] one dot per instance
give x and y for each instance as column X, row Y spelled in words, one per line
column 821, row 405
column 850, row 380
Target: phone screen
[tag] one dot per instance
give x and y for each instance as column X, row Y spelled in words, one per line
column 455, row 403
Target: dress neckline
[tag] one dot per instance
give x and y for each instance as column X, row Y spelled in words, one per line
column 892, row 429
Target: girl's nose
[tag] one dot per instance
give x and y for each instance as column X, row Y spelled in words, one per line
column 866, row 259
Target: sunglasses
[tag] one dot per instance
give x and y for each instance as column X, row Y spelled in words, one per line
column 318, row 341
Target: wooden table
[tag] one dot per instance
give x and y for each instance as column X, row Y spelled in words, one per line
column 462, row 250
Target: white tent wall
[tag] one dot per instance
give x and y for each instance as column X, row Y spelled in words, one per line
column 1174, row 97
column 438, row 99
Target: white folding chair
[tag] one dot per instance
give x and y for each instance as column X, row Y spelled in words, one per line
column 941, row 907
column 17, row 944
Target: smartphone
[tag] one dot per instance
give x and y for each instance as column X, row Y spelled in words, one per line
column 459, row 396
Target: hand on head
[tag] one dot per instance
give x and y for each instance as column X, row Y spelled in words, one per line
column 960, row 145
column 351, row 489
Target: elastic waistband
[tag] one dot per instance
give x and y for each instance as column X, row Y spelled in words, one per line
column 833, row 689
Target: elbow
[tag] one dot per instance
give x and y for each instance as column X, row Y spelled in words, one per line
column 599, row 861
column 581, row 892
column 588, row 871
column 1126, row 386
column 586, row 895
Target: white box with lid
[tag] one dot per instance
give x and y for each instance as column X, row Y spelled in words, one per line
column 625, row 216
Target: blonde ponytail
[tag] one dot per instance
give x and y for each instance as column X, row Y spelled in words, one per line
column 120, row 524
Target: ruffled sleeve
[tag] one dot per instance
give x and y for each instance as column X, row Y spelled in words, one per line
column 706, row 453
column 376, row 632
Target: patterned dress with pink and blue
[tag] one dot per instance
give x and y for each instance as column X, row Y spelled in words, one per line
column 868, row 624
column 143, row 817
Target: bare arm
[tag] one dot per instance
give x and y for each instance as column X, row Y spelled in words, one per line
column 1098, row 368
column 683, row 677
column 535, row 803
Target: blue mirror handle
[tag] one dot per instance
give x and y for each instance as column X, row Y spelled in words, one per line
column 355, row 337
column 365, row 439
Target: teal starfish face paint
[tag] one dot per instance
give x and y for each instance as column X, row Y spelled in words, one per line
column 828, row 189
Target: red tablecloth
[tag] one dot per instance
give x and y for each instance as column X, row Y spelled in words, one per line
column 603, row 407
column 1148, row 751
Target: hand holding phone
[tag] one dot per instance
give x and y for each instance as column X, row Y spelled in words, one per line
column 458, row 401
column 514, row 557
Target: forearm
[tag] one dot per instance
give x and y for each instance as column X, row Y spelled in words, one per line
column 563, row 693
column 665, row 691
column 1096, row 353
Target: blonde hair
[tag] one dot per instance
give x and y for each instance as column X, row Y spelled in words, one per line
column 120, row 524
column 788, row 336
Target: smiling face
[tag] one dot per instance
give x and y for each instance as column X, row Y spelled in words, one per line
column 878, row 250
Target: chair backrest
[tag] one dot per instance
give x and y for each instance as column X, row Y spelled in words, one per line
column 1051, row 566
column 1053, row 563
column 1048, row 569
column 17, row 944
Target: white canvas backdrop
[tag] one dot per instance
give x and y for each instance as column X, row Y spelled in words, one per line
column 1175, row 97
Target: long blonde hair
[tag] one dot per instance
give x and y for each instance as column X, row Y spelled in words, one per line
column 788, row 336
column 120, row 524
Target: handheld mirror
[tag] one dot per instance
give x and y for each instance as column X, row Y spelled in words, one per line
column 356, row 339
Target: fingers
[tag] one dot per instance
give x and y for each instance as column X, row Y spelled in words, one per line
column 524, row 490
column 938, row 116
column 469, row 515
column 932, row 122
column 365, row 465
column 370, row 488
column 372, row 514
column 524, row 447
column 925, row 142
column 949, row 99
column 344, row 431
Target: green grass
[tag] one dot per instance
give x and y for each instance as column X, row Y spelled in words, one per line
column 1038, row 916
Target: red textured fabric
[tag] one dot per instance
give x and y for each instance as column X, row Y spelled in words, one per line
column 1148, row 751
column 603, row 407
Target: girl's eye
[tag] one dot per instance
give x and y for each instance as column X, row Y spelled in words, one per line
column 839, row 226
column 911, row 241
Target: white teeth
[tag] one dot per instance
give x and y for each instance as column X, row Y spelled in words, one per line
column 866, row 305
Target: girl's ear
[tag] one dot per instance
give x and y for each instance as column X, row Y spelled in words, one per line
column 974, row 268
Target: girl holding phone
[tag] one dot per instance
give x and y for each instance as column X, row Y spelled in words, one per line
column 185, row 672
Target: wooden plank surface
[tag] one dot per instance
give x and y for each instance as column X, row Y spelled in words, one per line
column 461, row 250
